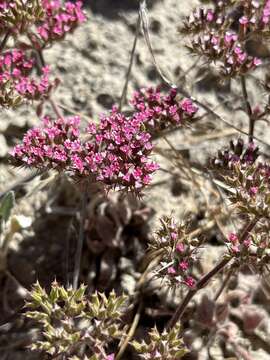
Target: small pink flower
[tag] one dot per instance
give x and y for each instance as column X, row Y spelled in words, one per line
column 233, row 238
column 190, row 282
column 180, row 247
column 183, row 265
column 257, row 61
column 235, row 249
column 171, row 270
column 243, row 20
column 210, row 16
column 253, row 190
column 110, row 357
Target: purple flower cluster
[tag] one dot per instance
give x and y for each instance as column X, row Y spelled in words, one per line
column 237, row 153
column 118, row 153
column 60, row 19
column 227, row 49
column 16, row 83
column 53, row 19
column 248, row 178
column 159, row 111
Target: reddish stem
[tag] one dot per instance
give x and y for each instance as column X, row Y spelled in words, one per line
column 205, row 279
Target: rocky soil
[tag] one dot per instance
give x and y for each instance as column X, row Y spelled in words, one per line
column 92, row 66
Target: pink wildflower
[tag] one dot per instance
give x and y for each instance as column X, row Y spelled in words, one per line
column 15, row 79
column 183, row 265
column 190, row 282
column 180, row 247
column 118, row 153
column 233, row 238
column 171, row 270
column 59, row 20
column 157, row 110
column 243, row 20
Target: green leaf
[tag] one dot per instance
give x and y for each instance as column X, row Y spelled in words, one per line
column 6, row 206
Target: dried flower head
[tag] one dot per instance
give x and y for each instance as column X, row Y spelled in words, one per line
column 246, row 177
column 167, row 345
column 253, row 250
column 220, row 33
column 69, row 320
column 237, row 152
column 16, row 16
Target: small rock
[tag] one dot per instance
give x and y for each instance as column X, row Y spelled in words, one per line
column 105, row 100
column 155, row 26
column 128, row 284
column 3, row 146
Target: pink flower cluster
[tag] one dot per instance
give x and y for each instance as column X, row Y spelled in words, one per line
column 159, row 111
column 227, row 49
column 59, row 19
column 44, row 20
column 252, row 250
column 254, row 16
column 202, row 19
column 16, row 83
column 118, row 154
column 179, row 253
column 266, row 13
column 184, row 257
column 237, row 247
column 17, row 16
column 50, row 146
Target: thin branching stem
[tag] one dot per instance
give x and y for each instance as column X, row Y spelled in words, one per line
column 20, row 183
column 124, row 91
column 224, row 284
column 248, row 108
column 41, row 64
column 206, row 278
column 131, row 332
column 78, row 254
column 200, row 284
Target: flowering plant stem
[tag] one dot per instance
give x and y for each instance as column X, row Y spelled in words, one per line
column 78, row 254
column 124, row 92
column 248, row 108
column 205, row 279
